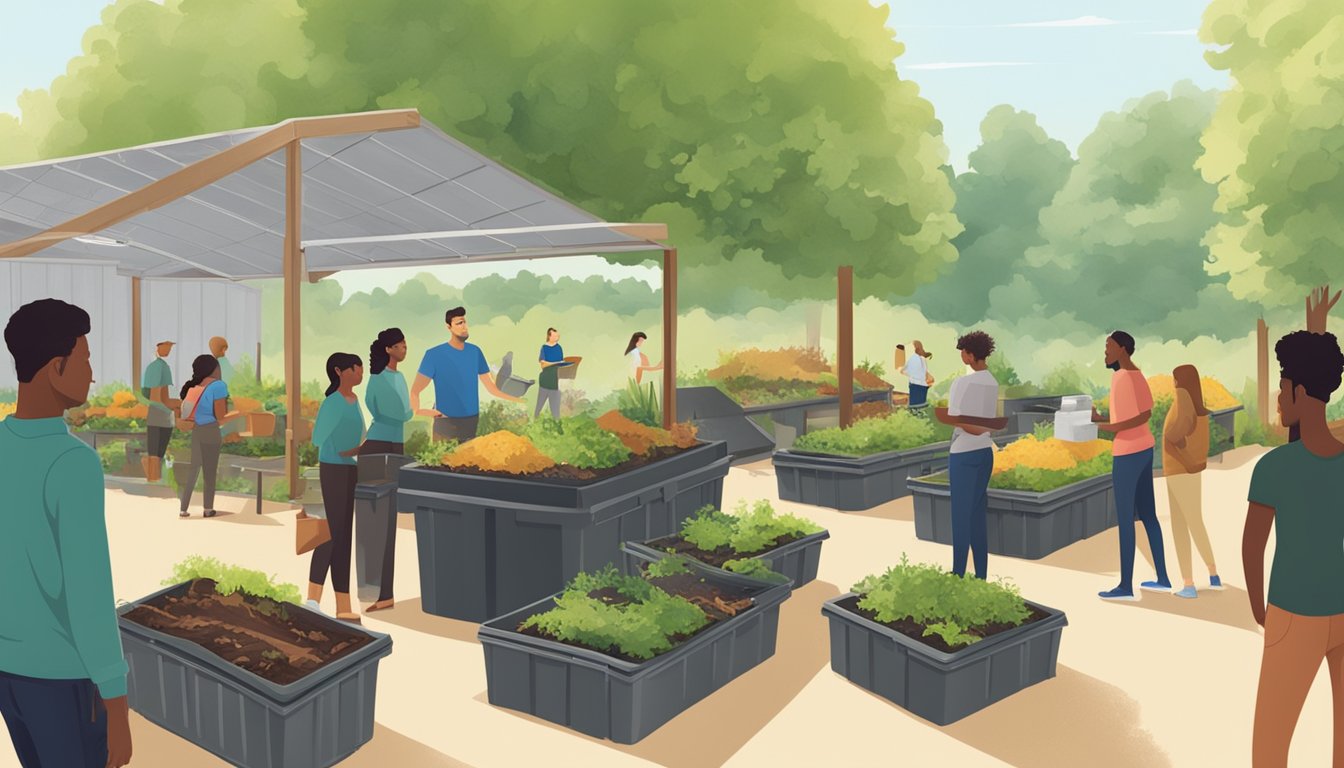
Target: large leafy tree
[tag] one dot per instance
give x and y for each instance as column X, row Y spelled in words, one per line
column 1014, row 173
column 1274, row 146
column 1122, row 239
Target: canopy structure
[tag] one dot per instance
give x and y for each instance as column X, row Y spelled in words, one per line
column 304, row 199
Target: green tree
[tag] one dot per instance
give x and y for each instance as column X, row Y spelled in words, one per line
column 1122, row 239
column 1273, row 146
column 1014, row 173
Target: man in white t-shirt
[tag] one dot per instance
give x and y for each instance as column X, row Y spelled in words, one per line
column 971, row 459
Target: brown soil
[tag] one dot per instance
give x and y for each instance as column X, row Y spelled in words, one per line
column 570, row 475
column 716, row 557
column 915, row 630
column 249, row 632
column 718, row 603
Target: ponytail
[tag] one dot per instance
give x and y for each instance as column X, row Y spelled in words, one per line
column 378, row 356
column 339, row 361
column 202, row 368
column 634, row 339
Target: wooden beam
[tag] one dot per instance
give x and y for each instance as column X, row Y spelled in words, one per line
column 137, row 343
column 314, row 277
column 669, row 338
column 1262, row 370
column 845, row 343
column 293, row 268
column 633, row 230
column 205, row 172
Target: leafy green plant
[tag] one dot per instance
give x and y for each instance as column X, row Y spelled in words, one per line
column 498, row 415
column 112, row 456
column 431, row 455
column 754, row 568
column 1219, row 440
column 641, row 628
column 747, row 531
column 672, row 565
column 641, row 404
column 876, row 369
column 111, row 424
column 949, row 606
column 900, row 431
column 1040, row 480
column 279, row 491
column 229, row 579
column 577, row 441
column 1043, row 430
column 416, row 441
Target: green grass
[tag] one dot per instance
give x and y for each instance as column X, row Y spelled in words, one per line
column 949, row 606
column 640, row 404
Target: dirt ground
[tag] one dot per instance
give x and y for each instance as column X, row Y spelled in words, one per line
column 1162, row 682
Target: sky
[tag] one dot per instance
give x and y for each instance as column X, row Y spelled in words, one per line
column 1066, row 62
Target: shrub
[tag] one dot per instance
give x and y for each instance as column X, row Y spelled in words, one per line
column 417, row 441
column 640, row 404
column 229, row 579
column 279, row 491
column 112, row 456
column 897, row 432
column 1043, row 430
column 433, row 453
column 748, row 531
column 954, row 608
column 641, row 628
column 498, row 415
column 577, row 441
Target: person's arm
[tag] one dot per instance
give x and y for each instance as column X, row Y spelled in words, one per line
column 160, row 396
column 489, row 382
column 398, row 402
column 1182, row 420
column 75, row 485
column 421, row 381
column 1259, row 521
column 324, row 424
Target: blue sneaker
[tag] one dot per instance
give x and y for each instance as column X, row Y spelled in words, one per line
column 1119, row 593
column 1157, row 586
column 1187, row 592
column 1215, row 583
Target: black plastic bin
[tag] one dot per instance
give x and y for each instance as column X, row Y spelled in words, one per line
column 376, row 522
column 609, row 698
column 941, row 687
column 797, row 560
column 314, row 722
column 491, row 545
column 794, row 414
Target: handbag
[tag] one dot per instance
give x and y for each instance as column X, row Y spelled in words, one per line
column 187, row 421
column 310, row 533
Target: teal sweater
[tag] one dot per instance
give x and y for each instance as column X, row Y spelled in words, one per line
column 59, row 620
column 389, row 403
column 339, row 427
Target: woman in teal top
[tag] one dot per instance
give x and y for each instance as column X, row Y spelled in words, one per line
column 337, row 433
column 387, row 396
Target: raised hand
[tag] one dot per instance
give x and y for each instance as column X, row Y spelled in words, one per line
column 1319, row 305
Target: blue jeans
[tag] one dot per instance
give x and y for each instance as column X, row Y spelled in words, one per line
column 54, row 722
column 968, row 480
column 1132, row 476
column 919, row 394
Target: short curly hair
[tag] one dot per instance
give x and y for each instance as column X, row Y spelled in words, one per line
column 1312, row 361
column 978, row 343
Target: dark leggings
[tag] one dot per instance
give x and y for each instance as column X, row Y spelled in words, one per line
column 338, row 498
column 371, row 447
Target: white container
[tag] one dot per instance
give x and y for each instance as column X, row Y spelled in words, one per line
column 1073, row 403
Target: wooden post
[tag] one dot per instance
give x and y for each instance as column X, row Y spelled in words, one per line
column 669, row 338
column 258, row 362
column 1262, row 370
column 845, row 344
column 293, row 277
column 136, row 343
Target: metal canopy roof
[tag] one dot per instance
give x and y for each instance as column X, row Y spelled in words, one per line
column 403, row 194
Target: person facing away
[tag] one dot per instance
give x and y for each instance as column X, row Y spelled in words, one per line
column 1185, row 450
column 454, row 367
column 388, row 399
column 1132, row 468
column 971, row 457
column 62, row 670
column 154, row 387
column 1296, row 489
column 337, row 433
column 206, row 409
column 636, row 360
column 219, row 347
column 917, row 370
column 548, row 383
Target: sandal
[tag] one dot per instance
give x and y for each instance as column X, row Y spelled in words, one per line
column 381, row 605
column 209, row 513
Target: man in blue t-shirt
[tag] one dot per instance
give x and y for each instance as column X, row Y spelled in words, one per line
column 454, row 368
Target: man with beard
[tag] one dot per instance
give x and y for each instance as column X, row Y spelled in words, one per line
column 454, row 367
column 1132, row 471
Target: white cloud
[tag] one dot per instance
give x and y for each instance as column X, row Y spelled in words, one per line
column 1175, row 33
column 1081, row 21
column 968, row 64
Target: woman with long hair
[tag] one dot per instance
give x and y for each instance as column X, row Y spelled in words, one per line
column 636, row 359
column 1185, row 450
column 387, row 396
column 205, row 401
column 337, row 433
column 917, row 370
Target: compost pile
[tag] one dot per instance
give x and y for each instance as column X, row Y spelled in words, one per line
column 577, row 449
column 762, row 377
column 275, row 641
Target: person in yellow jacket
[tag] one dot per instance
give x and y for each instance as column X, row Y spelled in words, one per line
column 1185, row 450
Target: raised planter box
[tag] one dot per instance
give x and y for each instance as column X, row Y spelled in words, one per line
column 94, row 438
column 798, row 560
column 491, row 545
column 1021, row 523
column 851, row 484
column 608, row 698
column 941, row 687
column 794, row 414
column 314, row 722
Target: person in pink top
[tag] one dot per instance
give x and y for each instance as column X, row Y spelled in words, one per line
column 1132, row 471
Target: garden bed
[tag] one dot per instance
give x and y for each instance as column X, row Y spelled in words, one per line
column 258, row 682
column 938, row 645
column 623, row 696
